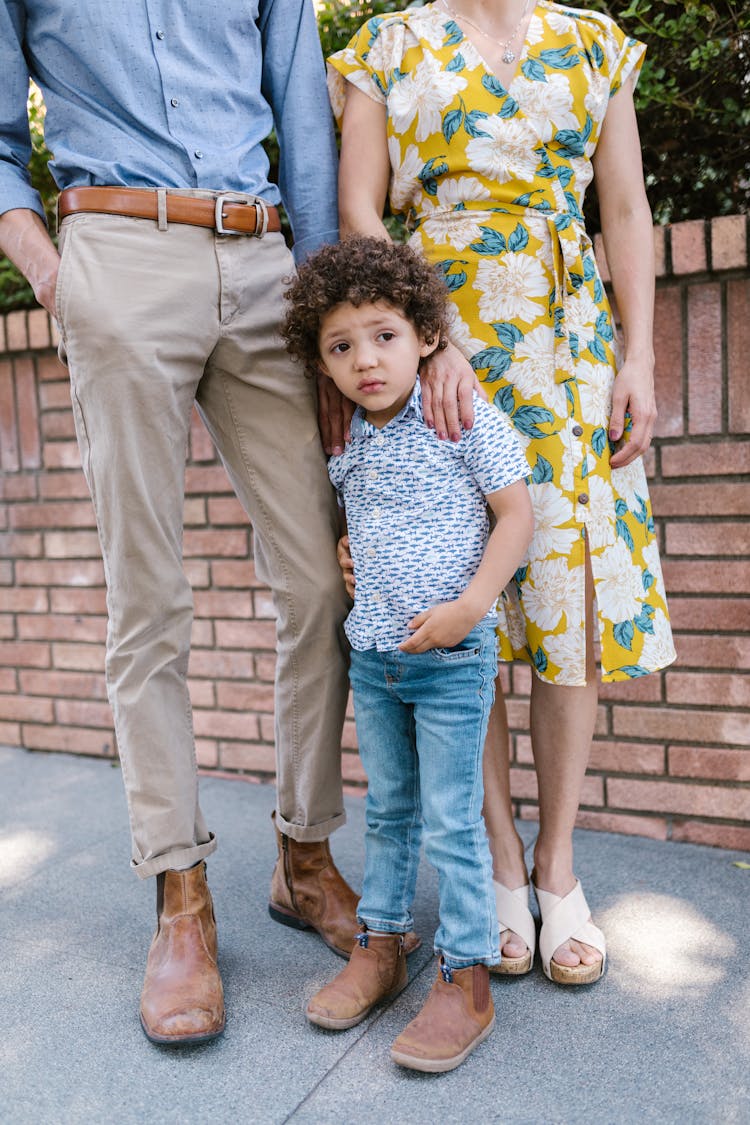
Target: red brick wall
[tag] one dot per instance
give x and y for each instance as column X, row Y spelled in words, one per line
column 671, row 756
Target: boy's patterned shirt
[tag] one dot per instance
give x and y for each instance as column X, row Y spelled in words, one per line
column 416, row 513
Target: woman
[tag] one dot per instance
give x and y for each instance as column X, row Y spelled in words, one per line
column 484, row 121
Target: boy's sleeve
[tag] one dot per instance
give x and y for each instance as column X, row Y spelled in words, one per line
column 492, row 450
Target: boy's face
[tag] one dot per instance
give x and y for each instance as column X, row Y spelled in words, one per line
column 372, row 353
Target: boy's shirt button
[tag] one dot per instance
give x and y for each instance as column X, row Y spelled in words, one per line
column 371, row 552
column 373, row 474
column 375, row 513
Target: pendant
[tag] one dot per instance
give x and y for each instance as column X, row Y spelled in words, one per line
column 508, row 55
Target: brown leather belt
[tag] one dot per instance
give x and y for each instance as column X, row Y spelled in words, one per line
column 227, row 213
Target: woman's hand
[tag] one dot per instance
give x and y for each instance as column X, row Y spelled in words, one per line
column 334, row 416
column 633, row 393
column 448, row 382
column 346, row 563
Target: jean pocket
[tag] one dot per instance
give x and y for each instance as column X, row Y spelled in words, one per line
column 470, row 648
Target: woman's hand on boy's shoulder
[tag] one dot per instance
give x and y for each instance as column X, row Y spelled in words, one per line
column 448, row 383
column 334, row 416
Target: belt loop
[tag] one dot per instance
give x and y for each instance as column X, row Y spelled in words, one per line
column 161, row 208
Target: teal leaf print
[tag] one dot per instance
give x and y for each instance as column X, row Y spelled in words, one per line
column 573, row 343
column 452, row 123
column 493, row 86
column 621, row 508
column 521, row 573
column 641, row 512
column 518, row 238
column 569, row 391
column 457, row 63
column 623, row 531
column 540, row 661
column 542, row 470
column 455, row 34
column 647, row 579
column 547, row 172
column 599, row 440
column 589, row 269
column 509, row 108
column 471, row 120
column 596, row 347
column 564, row 175
column 560, row 58
column 493, row 242
column 634, row 670
column 573, row 143
column 585, row 466
column 576, row 279
column 597, row 54
column 562, row 221
column 598, row 292
column 573, row 207
column 603, row 326
column 496, row 360
column 650, row 525
column 624, row 633
column 559, row 318
column 533, row 70
column 527, row 419
column 523, row 200
column 429, row 185
column 507, row 334
column 504, row 399
column 643, row 622
column 455, row 281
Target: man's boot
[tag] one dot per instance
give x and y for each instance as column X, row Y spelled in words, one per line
column 308, row 892
column 183, row 999
column 376, row 971
column 456, row 1016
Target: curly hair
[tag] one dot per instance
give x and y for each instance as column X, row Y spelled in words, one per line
column 360, row 271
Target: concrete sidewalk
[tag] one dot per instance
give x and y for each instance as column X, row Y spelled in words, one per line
column 665, row 1037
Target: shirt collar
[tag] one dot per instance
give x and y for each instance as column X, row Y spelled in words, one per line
column 413, row 409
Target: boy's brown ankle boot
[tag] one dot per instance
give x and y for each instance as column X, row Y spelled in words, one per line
column 376, row 971
column 457, row 1015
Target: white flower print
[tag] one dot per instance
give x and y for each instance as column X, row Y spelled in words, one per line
column 597, row 98
column 508, row 286
column 547, row 106
column 506, row 153
column 595, row 391
column 568, row 650
column 619, row 589
column 630, row 483
column 423, row 94
column 572, row 456
column 580, row 317
column 599, row 512
column 560, row 24
column 533, row 370
column 405, row 185
column 652, row 563
column 658, row 647
column 458, row 228
column 552, row 592
column 551, row 515
column 535, row 32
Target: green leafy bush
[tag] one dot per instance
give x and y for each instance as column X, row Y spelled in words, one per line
column 693, row 103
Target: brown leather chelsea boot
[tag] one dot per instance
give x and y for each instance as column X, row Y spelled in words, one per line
column 456, row 1016
column 183, row 998
column 376, row 971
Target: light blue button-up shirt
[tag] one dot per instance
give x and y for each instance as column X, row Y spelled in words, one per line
column 171, row 93
column 416, row 513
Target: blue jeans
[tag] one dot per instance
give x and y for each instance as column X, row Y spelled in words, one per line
column 421, row 722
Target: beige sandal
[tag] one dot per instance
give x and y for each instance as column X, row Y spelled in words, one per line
column 564, row 919
column 514, row 916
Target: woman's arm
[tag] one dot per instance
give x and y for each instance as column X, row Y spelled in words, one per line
column 627, row 230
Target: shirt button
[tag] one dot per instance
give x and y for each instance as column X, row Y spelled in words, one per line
column 198, row 154
column 577, row 431
column 371, row 552
column 583, row 498
column 375, row 513
column 376, row 596
column 160, row 35
column 175, row 102
column 380, row 439
column 373, row 474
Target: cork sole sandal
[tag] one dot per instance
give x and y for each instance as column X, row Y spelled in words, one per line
column 514, row 916
column 566, row 919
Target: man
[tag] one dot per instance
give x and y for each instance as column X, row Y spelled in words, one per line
column 168, row 292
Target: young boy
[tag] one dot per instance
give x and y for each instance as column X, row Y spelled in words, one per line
column 424, row 654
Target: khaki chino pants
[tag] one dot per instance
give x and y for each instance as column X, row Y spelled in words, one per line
column 152, row 321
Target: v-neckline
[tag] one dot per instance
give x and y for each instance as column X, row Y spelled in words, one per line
column 446, row 17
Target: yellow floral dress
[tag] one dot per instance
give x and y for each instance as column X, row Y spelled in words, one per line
column 491, row 182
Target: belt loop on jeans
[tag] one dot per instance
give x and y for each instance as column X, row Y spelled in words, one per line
column 161, row 208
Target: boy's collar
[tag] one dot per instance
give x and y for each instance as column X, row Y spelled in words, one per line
column 362, row 428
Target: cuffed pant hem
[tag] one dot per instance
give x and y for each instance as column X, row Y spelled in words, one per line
column 466, row 962
column 309, row 833
column 376, row 925
column 182, row 858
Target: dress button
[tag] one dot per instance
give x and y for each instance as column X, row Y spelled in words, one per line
column 175, row 102
column 577, row 431
column 583, row 498
column 160, row 35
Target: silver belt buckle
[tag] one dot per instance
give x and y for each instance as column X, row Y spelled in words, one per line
column 261, row 213
column 226, row 197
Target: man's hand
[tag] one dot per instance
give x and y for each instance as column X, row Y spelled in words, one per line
column 334, row 416
column 633, row 392
column 441, row 626
column 346, row 563
column 448, row 382
column 24, row 238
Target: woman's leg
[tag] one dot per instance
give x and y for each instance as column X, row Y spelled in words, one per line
column 506, row 846
column 562, row 727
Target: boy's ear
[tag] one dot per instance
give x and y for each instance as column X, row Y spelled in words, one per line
column 426, row 349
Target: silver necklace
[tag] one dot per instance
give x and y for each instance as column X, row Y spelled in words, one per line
column 508, row 55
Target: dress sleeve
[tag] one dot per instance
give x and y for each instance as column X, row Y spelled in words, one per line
column 613, row 53
column 362, row 62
